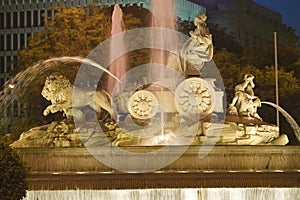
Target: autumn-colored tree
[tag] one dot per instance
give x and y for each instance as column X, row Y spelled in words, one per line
column 72, row 32
column 261, row 56
column 233, row 69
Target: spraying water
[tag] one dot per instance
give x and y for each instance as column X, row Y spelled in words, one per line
column 120, row 66
column 163, row 16
column 288, row 117
column 24, row 79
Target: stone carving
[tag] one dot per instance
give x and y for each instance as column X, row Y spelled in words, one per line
column 197, row 50
column 142, row 105
column 244, row 102
column 59, row 91
column 194, row 97
column 200, row 48
column 56, row 134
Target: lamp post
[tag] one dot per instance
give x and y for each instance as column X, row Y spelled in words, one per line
column 276, row 77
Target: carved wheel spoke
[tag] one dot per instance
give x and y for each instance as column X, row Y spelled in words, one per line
column 142, row 105
column 194, row 97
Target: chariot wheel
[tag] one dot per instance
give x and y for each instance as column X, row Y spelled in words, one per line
column 194, row 96
column 142, row 105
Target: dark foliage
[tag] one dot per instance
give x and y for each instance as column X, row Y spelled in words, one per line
column 13, row 173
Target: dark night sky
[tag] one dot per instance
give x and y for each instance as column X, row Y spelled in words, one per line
column 289, row 9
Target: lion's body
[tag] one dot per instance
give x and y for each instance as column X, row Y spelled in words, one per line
column 69, row 99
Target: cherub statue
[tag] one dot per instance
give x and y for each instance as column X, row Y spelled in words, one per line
column 244, row 102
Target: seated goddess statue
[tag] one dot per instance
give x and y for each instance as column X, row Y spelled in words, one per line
column 200, row 48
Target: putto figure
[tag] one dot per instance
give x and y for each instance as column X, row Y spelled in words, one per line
column 244, row 102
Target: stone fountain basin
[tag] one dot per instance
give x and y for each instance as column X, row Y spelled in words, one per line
column 224, row 166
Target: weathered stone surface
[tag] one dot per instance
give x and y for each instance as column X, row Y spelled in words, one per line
column 58, row 134
column 32, row 138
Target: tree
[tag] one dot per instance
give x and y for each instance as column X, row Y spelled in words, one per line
column 261, row 56
column 223, row 40
column 73, row 32
column 13, row 173
column 233, row 69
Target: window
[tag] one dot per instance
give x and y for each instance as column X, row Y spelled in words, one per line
column 22, row 19
column 2, row 83
column 8, row 38
column 8, row 64
column 15, row 62
column 1, row 20
column 22, row 40
column 35, row 18
column 2, row 64
column 15, row 42
column 28, row 18
column 15, row 20
column 8, row 20
column 1, row 42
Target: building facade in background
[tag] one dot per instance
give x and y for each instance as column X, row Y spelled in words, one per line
column 19, row 19
column 248, row 22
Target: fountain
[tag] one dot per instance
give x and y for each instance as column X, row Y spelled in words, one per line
column 176, row 194
column 162, row 18
column 120, row 66
column 166, row 130
column 149, row 118
column 288, row 117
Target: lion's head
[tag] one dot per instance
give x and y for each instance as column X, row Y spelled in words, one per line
column 55, row 88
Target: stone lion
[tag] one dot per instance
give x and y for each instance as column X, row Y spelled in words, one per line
column 60, row 91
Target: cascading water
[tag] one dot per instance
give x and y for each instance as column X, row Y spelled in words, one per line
column 288, row 117
column 174, row 194
column 120, row 66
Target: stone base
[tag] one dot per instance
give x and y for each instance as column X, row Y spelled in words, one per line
column 224, row 166
column 236, row 131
